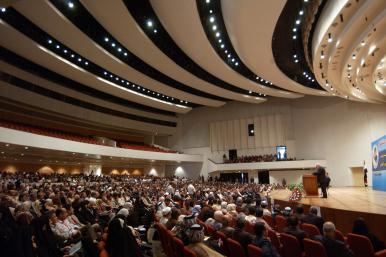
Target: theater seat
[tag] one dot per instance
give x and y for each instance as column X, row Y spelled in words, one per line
column 178, row 246
column 254, row 251
column 281, row 223
column 188, row 252
column 269, row 220
column 223, row 238
column 339, row 236
column 314, row 248
column 274, row 239
column 310, row 229
column 103, row 253
column 249, row 227
column 362, row 247
column 291, row 246
column 235, row 249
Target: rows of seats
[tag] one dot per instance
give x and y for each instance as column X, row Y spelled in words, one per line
column 287, row 245
column 78, row 138
column 48, row 132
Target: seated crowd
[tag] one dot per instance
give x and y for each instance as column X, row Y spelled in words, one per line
column 255, row 158
column 121, row 216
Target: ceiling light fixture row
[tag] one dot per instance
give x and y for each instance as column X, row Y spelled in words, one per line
column 13, row 18
column 79, row 60
column 212, row 22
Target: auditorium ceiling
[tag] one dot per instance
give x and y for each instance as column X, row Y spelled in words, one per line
column 148, row 61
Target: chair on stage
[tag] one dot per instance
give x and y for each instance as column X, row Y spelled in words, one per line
column 274, row 239
column 281, row 223
column 310, row 229
column 254, row 251
column 314, row 248
column 362, row 247
column 235, row 249
column 291, row 246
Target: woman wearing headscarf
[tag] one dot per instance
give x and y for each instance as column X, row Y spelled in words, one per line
column 120, row 241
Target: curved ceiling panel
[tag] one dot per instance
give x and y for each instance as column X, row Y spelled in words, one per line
column 201, row 52
column 54, row 23
column 50, row 60
column 112, row 14
column 52, row 86
column 348, row 46
column 240, row 18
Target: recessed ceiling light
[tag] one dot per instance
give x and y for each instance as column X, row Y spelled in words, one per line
column 72, row 56
column 222, row 46
column 220, row 40
column 296, row 60
column 49, row 41
column 295, row 56
column 301, row 12
column 65, row 51
column 233, row 59
column 229, row 55
column 214, row 27
column 57, row 46
column 297, row 22
column 211, row 19
column 125, row 54
column 294, row 37
column 207, row 1
column 155, row 31
column 3, row 9
column 71, row 4
column 149, row 23
column 113, row 44
column 106, row 39
column 237, row 64
column 217, row 34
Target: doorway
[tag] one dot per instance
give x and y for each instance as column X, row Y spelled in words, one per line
column 263, row 176
column 357, row 176
column 238, row 177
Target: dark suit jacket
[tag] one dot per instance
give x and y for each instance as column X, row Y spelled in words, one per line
column 243, row 237
column 334, row 248
column 314, row 220
column 296, row 232
column 321, row 175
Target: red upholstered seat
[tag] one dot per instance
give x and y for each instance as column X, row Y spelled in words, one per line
column 235, row 249
column 223, row 238
column 281, row 223
column 310, row 229
column 269, row 220
column 339, row 236
column 362, row 247
column 313, row 248
column 254, row 251
column 291, row 246
column 178, row 246
column 249, row 227
column 188, row 252
column 274, row 239
column 103, row 253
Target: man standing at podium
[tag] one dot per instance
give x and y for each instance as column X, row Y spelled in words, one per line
column 320, row 173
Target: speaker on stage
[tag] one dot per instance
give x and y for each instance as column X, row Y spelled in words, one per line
column 232, row 154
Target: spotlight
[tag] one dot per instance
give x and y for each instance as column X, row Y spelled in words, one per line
column 214, row 27
column 301, row 12
column 155, row 31
column 297, row 22
column 222, row 46
column 3, row 9
column 57, row 46
column 149, row 23
column 113, row 44
column 71, row 4
column 49, row 41
column 294, row 29
column 211, row 19
column 106, row 39
column 217, row 34
column 294, row 37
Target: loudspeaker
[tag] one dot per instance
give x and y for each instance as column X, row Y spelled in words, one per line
column 232, row 154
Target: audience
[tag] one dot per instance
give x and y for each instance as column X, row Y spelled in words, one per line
column 255, row 158
column 361, row 228
column 313, row 218
column 334, row 248
column 293, row 229
column 261, row 240
column 47, row 215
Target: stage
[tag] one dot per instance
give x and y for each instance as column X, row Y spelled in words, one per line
column 343, row 206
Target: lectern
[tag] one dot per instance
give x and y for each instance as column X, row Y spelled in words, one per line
column 310, row 185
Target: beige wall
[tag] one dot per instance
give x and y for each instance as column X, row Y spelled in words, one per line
column 333, row 129
column 42, row 168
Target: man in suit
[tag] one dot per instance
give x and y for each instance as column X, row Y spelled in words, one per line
column 320, row 173
column 313, row 218
column 240, row 235
column 334, row 248
column 294, row 230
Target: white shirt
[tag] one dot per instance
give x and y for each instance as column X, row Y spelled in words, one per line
column 191, row 189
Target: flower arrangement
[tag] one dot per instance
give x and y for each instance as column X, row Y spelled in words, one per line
column 296, row 194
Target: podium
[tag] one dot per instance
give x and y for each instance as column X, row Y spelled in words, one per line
column 310, row 185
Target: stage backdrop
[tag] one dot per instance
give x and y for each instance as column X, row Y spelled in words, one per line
column 379, row 163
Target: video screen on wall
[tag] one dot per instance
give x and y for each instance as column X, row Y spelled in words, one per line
column 281, row 152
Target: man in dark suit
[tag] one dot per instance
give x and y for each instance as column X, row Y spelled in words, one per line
column 240, row 235
column 313, row 218
column 294, row 230
column 320, row 173
column 334, row 248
